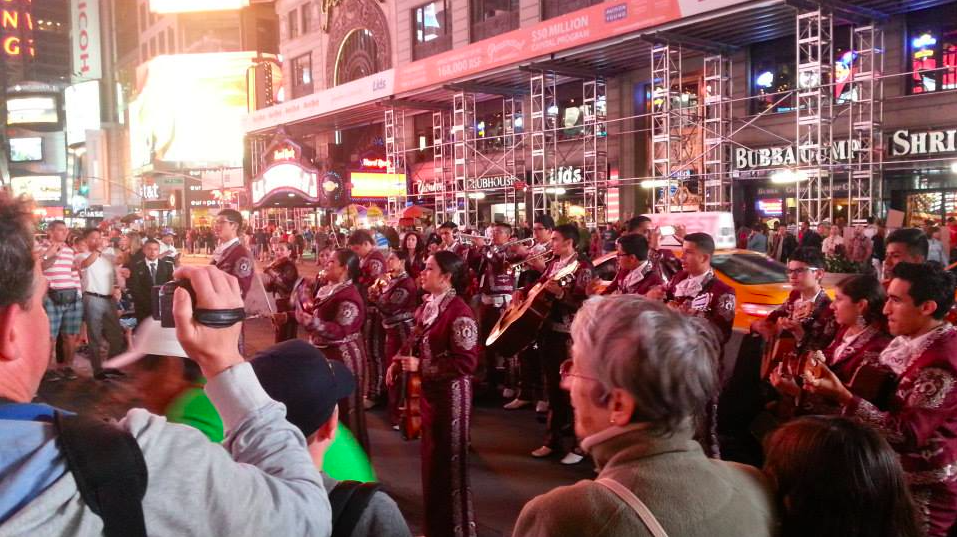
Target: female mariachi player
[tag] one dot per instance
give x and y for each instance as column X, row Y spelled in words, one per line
column 333, row 317
column 446, row 354
column 396, row 298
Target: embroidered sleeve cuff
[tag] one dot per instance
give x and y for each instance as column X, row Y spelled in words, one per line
column 236, row 392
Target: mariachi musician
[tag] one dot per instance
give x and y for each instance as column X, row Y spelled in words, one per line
column 636, row 274
column 445, row 352
column 697, row 291
column 496, row 283
column 807, row 313
column 231, row 256
column 372, row 267
column 333, row 316
column 530, row 382
column 396, row 298
column 280, row 278
column 450, row 243
column 556, row 338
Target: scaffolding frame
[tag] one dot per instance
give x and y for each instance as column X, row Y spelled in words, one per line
column 814, row 113
column 866, row 119
column 395, row 155
column 544, row 139
column 513, row 145
column 717, row 182
column 595, row 150
column 666, row 123
column 463, row 157
column 440, row 148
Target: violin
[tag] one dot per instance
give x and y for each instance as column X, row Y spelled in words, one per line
column 410, row 395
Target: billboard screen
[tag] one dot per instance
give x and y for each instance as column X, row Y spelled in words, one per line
column 189, row 110
column 82, row 104
column 32, row 110
column 185, row 6
column 42, row 188
column 26, row 149
column 377, row 185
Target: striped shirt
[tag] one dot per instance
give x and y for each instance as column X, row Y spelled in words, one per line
column 63, row 274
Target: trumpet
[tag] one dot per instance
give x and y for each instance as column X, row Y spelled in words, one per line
column 465, row 237
column 545, row 256
column 530, row 241
column 379, row 285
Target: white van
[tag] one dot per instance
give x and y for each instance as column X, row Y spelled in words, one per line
column 717, row 224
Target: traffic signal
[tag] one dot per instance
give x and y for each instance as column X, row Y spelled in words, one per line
column 84, row 189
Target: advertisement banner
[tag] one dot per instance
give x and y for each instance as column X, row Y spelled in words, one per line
column 44, row 189
column 187, row 6
column 366, row 89
column 601, row 21
column 85, row 37
column 82, row 104
column 377, row 185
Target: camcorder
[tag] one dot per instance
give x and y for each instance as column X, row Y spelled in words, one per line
column 162, row 302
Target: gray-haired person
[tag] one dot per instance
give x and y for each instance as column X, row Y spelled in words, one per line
column 639, row 372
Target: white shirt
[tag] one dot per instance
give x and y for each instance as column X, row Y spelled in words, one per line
column 166, row 249
column 100, row 276
column 692, row 285
column 902, row 350
column 218, row 252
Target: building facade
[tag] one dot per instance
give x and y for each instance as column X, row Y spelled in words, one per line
column 599, row 111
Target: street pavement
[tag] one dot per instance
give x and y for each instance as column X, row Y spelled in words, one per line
column 504, row 476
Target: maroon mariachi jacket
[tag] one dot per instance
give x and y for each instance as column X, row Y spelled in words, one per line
column 237, row 260
column 866, row 348
column 635, row 282
column 819, row 327
column 448, row 339
column 495, row 278
column 337, row 310
column 576, row 292
column 280, row 278
column 397, row 301
column 713, row 300
column 372, row 267
column 921, row 422
column 460, row 249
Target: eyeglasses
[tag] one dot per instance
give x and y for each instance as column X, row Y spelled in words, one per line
column 801, row 270
column 622, row 255
column 565, row 371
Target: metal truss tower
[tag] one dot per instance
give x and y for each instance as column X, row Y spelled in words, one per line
column 463, row 157
column 665, row 122
column 595, row 151
column 395, row 154
column 544, row 139
column 815, row 61
column 440, row 126
column 512, row 141
column 866, row 116
column 716, row 132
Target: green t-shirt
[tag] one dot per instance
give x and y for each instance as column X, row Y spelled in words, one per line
column 345, row 459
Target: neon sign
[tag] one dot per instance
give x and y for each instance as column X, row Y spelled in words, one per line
column 16, row 22
column 375, row 163
column 286, row 177
column 284, row 153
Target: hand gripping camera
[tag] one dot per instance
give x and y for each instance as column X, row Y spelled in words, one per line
column 162, row 296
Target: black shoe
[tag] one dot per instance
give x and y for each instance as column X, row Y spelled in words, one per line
column 68, row 373
column 52, row 376
column 113, row 372
column 100, row 375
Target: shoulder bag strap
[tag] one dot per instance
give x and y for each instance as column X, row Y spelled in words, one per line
column 349, row 500
column 109, row 470
column 640, row 508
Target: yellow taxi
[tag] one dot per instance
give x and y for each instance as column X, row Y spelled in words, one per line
column 760, row 283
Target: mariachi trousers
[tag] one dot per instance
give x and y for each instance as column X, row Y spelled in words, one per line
column 395, row 338
column 446, row 416
column 372, row 333
column 351, row 412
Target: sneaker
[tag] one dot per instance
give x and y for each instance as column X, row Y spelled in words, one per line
column 541, row 407
column 113, row 372
column 68, row 373
column 542, row 452
column 516, row 404
column 572, row 458
column 508, row 393
column 52, row 376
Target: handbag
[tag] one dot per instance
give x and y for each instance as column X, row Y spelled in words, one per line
column 627, row 496
column 63, row 297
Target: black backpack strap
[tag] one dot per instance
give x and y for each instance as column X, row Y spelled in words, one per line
column 109, row 470
column 349, row 500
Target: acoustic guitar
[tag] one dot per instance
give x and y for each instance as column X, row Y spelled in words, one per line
column 521, row 321
column 783, row 345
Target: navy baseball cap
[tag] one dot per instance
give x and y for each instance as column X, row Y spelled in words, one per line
column 300, row 376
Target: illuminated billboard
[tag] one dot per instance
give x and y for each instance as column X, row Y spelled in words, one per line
column 82, row 104
column 189, row 110
column 16, row 29
column 31, row 110
column 185, row 6
column 26, row 149
column 377, row 185
column 42, row 188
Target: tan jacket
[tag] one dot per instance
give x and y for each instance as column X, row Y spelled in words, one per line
column 688, row 493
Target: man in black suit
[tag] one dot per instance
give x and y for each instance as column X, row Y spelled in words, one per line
column 145, row 273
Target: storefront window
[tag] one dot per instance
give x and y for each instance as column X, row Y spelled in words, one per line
column 932, row 50
column 301, row 75
column 773, row 76
column 430, row 22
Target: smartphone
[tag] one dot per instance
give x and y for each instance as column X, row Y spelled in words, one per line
column 667, row 230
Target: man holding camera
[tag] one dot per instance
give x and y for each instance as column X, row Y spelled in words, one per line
column 150, row 271
column 260, row 481
column 63, row 305
column 100, row 292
